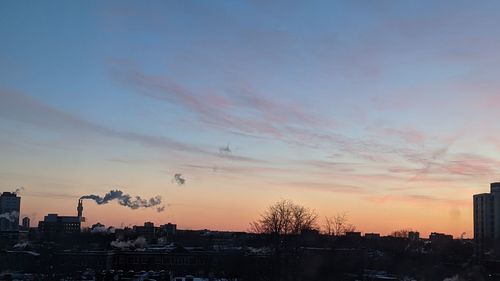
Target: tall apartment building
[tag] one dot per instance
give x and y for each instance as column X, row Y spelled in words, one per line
column 487, row 213
column 487, row 219
column 10, row 205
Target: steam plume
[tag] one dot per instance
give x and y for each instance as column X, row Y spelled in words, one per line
column 102, row 229
column 21, row 245
column 179, row 179
column 139, row 243
column 10, row 216
column 18, row 190
column 126, row 200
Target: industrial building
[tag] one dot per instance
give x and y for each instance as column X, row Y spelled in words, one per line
column 54, row 225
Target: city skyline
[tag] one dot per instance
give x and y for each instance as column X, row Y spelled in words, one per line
column 321, row 222
column 383, row 110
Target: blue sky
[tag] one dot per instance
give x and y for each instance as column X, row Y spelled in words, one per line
column 368, row 107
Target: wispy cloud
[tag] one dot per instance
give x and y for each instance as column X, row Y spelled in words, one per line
column 241, row 110
column 22, row 108
column 411, row 136
column 323, row 186
column 442, row 164
column 19, row 107
column 418, row 199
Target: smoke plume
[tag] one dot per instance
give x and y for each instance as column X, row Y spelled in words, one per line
column 10, row 216
column 18, row 190
column 179, row 179
column 126, row 200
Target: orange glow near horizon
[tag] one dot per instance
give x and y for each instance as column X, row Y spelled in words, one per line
column 203, row 212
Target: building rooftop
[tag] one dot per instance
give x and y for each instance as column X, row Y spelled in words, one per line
column 495, row 187
column 8, row 194
column 57, row 218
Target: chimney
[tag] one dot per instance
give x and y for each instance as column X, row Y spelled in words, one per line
column 80, row 208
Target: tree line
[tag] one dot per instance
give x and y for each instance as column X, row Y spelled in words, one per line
column 288, row 218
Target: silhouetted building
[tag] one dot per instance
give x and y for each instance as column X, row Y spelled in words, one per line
column 413, row 235
column 353, row 234
column 71, row 261
column 437, row 238
column 148, row 230
column 372, row 235
column 486, row 220
column 169, row 229
column 54, row 225
column 26, row 223
column 487, row 217
column 10, row 205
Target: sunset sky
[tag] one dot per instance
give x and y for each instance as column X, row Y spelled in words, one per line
column 385, row 110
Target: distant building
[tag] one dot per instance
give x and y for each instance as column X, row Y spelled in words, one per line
column 26, row 223
column 353, row 234
column 372, row 235
column 435, row 237
column 168, row 229
column 54, row 225
column 10, row 205
column 352, row 238
column 487, row 214
column 148, row 231
column 414, row 235
column 487, row 218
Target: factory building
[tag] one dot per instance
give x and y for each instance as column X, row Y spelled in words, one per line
column 54, row 225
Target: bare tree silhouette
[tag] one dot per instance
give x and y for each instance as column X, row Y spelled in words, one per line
column 401, row 233
column 338, row 225
column 285, row 217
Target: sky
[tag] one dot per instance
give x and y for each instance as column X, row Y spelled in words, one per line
column 383, row 110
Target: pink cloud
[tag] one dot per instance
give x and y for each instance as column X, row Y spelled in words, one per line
column 417, row 199
column 242, row 111
column 411, row 136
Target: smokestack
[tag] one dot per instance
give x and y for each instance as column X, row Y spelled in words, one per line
column 80, row 208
